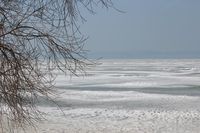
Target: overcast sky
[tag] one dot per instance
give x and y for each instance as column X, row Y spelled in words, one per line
column 148, row 29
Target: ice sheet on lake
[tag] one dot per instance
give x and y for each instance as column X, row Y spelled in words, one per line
column 138, row 73
column 128, row 96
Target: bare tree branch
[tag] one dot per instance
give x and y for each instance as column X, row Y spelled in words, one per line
column 37, row 37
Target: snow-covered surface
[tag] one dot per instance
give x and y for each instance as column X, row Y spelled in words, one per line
column 130, row 96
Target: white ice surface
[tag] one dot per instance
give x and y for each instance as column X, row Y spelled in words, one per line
column 128, row 96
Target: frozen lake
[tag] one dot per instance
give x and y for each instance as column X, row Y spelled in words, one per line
column 130, row 96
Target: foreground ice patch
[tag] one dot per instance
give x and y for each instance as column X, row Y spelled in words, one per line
column 98, row 120
column 121, row 112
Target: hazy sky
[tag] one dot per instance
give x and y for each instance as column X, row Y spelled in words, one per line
column 148, row 29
